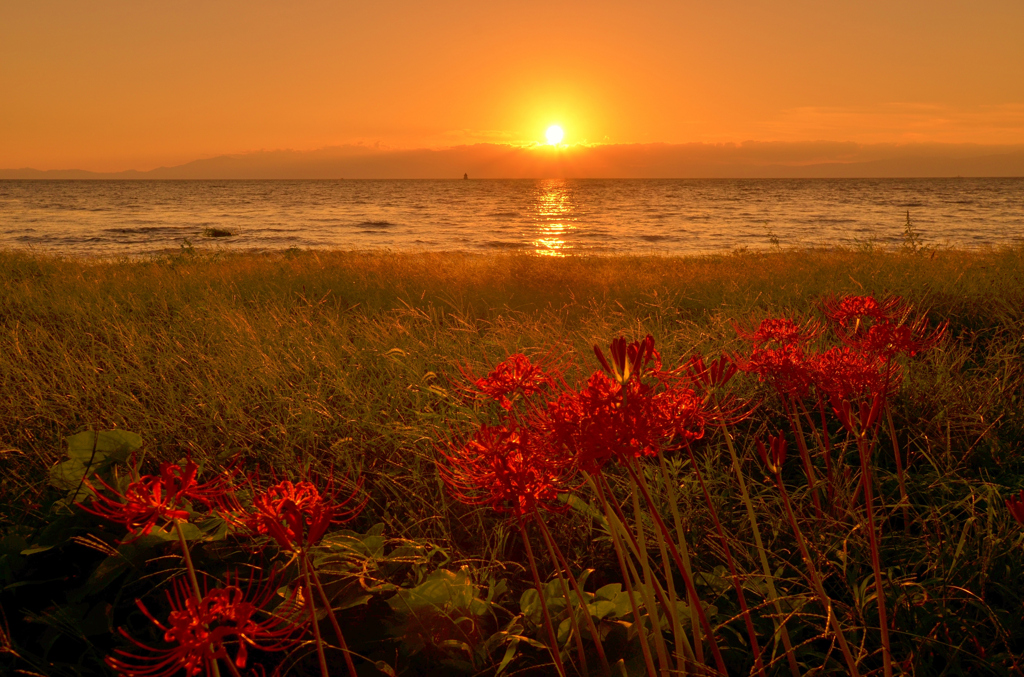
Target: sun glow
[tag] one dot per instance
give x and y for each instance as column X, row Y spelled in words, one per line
column 554, row 135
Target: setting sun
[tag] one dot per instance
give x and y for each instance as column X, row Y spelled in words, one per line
column 554, row 135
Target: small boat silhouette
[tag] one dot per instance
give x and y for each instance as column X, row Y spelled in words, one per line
column 465, row 176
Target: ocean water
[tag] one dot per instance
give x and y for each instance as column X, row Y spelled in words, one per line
column 546, row 217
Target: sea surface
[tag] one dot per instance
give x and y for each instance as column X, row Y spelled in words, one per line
column 547, row 217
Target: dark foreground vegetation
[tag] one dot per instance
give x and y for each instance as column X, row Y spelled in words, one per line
column 405, row 464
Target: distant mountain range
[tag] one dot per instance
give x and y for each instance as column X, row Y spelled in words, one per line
column 656, row 160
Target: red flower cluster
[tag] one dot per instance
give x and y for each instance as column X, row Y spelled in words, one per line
column 873, row 334
column 606, row 420
column 842, row 373
column 857, row 308
column 511, row 469
column 202, row 631
column 880, row 327
column 782, row 331
column 887, row 340
column 296, row 515
column 629, row 409
column 157, row 498
column 516, row 375
column 786, row 368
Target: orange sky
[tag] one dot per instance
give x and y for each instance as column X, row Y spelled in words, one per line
column 129, row 84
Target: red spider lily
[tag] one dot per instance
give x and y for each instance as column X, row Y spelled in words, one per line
column 1015, row 504
column 855, row 308
column 202, row 631
column 888, row 340
column 775, row 456
column 515, row 375
column 296, row 515
column 629, row 359
column 843, row 373
column 713, row 375
column 787, row 368
column 512, row 469
column 607, row 420
column 155, row 498
column 782, row 331
column 860, row 421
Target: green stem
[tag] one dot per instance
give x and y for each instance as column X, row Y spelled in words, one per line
column 904, row 501
column 334, row 622
column 754, row 648
column 232, row 668
column 812, row 572
column 555, row 653
column 557, row 555
column 659, row 592
column 577, row 637
column 615, row 527
column 794, row 668
column 677, row 520
column 688, row 580
column 648, row 588
column 805, row 456
column 867, row 482
column 188, row 560
column 304, row 564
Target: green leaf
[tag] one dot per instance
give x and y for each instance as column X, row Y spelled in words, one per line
column 442, row 589
column 529, row 603
column 564, row 628
column 496, row 589
column 215, row 528
column 609, row 591
column 354, row 602
column 68, row 475
column 602, row 608
column 622, row 605
column 190, row 531
column 510, row 653
column 105, row 442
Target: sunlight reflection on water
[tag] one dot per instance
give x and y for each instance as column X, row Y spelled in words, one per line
column 556, row 217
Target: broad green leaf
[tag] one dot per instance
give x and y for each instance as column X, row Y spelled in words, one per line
column 190, row 531
column 215, row 528
column 564, row 630
column 602, row 608
column 529, row 603
column 609, row 591
column 67, row 475
column 105, row 443
column 442, row 589
column 354, row 602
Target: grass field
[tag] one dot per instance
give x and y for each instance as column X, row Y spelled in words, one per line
column 352, row 364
